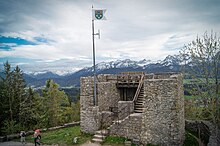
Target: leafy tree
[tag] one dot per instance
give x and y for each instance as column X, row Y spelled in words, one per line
column 202, row 63
column 76, row 109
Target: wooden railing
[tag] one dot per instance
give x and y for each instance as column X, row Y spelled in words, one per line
column 139, row 88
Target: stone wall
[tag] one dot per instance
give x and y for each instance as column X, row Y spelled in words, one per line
column 162, row 120
column 107, row 95
column 163, row 116
column 89, row 114
column 90, row 120
column 130, row 127
column 86, row 92
column 125, row 108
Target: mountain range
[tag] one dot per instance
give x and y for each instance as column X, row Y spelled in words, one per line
column 169, row 64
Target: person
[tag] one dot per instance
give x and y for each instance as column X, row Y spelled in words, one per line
column 37, row 137
column 22, row 135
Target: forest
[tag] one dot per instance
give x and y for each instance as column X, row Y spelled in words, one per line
column 23, row 108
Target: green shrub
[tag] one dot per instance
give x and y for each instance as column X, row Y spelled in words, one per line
column 190, row 140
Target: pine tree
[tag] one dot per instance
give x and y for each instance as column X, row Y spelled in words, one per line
column 18, row 92
column 12, row 94
column 6, row 91
column 27, row 110
column 56, row 103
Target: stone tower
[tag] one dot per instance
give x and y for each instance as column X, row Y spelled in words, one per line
column 145, row 107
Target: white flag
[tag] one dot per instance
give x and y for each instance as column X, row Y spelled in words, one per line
column 98, row 14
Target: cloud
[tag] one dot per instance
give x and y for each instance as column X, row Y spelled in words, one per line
column 61, row 30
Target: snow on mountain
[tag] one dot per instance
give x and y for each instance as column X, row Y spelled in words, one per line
column 144, row 62
column 169, row 61
column 71, row 77
column 36, row 73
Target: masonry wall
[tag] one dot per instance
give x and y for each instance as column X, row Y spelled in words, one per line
column 130, row 127
column 107, row 96
column 162, row 121
column 163, row 116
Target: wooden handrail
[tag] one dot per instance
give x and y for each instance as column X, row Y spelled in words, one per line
column 139, row 88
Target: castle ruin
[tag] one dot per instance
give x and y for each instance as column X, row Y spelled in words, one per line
column 148, row 108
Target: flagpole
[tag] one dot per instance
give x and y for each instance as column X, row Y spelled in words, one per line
column 94, row 69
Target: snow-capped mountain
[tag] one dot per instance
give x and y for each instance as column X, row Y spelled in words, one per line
column 169, row 61
column 169, row 64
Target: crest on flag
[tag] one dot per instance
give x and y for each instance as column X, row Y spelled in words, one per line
column 98, row 14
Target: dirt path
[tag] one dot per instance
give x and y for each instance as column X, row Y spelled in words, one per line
column 13, row 143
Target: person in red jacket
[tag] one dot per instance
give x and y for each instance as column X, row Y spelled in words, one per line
column 37, row 137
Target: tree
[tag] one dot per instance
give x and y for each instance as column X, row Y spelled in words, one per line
column 58, row 108
column 27, row 110
column 6, row 90
column 18, row 92
column 202, row 63
column 12, row 93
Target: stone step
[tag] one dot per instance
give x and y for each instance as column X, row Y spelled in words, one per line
column 97, row 136
column 140, row 99
column 138, row 106
column 141, row 108
column 96, row 140
column 102, row 132
column 139, row 102
column 138, row 111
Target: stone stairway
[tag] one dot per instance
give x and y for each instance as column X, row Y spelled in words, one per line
column 99, row 136
column 138, row 107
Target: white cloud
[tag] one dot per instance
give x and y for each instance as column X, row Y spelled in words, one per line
column 134, row 29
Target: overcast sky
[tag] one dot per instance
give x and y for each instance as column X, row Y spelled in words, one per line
column 56, row 34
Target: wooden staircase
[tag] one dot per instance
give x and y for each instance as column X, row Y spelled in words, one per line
column 139, row 103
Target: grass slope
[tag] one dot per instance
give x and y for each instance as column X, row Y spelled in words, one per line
column 62, row 136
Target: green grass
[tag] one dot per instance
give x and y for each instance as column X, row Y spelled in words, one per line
column 63, row 136
column 114, row 140
column 197, row 80
column 189, row 96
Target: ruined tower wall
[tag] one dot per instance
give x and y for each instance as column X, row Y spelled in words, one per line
column 162, row 120
column 129, row 127
column 89, row 115
column 107, row 96
column 163, row 116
